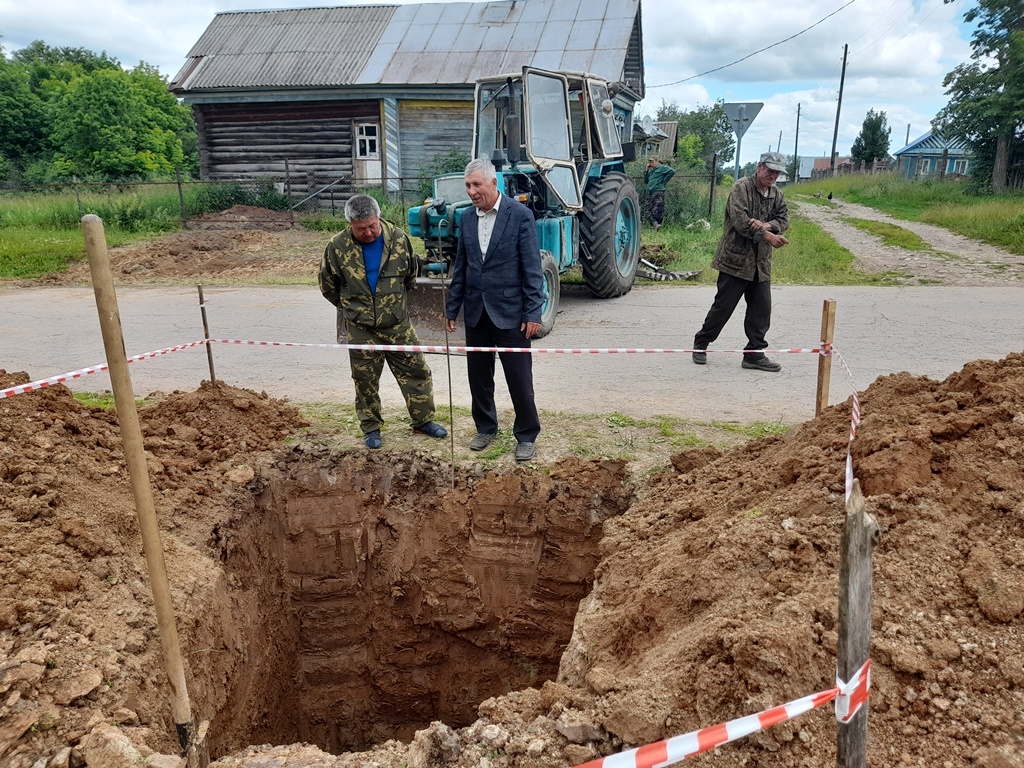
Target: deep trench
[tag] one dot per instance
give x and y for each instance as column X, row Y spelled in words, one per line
column 369, row 597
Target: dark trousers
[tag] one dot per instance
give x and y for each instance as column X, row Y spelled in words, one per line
column 758, row 296
column 656, row 206
column 518, row 367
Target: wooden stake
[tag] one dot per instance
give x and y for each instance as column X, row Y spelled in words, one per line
column 206, row 335
column 138, row 472
column 828, row 328
column 860, row 535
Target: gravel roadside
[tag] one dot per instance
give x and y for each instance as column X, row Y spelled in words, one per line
column 954, row 261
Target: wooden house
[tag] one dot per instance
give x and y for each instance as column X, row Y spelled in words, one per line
column 650, row 138
column 933, row 155
column 354, row 96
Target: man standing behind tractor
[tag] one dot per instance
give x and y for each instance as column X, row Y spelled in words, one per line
column 656, row 178
column 366, row 271
column 755, row 218
column 498, row 284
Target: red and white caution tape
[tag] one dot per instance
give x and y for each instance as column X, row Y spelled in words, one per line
column 849, row 698
column 854, row 421
column 428, row 349
column 441, row 350
column 44, row 383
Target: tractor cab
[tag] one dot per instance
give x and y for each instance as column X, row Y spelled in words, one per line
column 555, row 145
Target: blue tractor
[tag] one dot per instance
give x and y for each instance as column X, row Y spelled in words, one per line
column 554, row 142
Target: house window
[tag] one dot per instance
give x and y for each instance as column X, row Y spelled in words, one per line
column 367, row 141
column 960, row 167
column 924, row 166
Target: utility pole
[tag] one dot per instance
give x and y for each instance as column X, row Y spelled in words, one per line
column 796, row 145
column 839, row 106
column 779, row 147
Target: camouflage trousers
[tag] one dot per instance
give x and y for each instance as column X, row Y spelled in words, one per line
column 409, row 369
column 656, row 206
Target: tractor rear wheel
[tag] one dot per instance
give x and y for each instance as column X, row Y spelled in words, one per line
column 552, row 292
column 610, row 231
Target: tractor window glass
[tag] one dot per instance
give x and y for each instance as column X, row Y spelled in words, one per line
column 451, row 189
column 563, row 181
column 493, row 105
column 548, row 118
column 604, row 119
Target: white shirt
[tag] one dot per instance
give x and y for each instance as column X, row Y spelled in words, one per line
column 485, row 226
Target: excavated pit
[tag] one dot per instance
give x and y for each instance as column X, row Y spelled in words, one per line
column 365, row 597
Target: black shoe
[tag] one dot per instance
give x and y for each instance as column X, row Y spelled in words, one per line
column 431, row 429
column 372, row 439
column 761, row 364
column 700, row 357
column 482, row 440
column 525, row 451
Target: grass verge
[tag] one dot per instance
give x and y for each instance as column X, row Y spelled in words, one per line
column 647, row 443
column 891, row 234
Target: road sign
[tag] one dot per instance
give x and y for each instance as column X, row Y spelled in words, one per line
column 741, row 115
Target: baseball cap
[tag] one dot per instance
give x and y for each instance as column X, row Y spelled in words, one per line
column 774, row 160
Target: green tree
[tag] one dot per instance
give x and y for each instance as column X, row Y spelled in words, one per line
column 986, row 106
column 709, row 124
column 872, row 143
column 44, row 62
column 111, row 124
column 22, row 122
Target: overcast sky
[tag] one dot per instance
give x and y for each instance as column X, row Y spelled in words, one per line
column 899, row 52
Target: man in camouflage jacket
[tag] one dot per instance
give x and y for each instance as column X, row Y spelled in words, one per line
column 366, row 271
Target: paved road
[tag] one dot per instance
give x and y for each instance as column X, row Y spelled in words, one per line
column 928, row 331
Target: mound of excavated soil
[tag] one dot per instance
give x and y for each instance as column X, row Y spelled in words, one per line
column 714, row 597
column 239, row 244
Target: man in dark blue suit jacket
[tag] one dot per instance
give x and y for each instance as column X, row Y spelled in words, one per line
column 498, row 284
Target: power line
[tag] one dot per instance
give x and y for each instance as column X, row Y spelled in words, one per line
column 911, row 30
column 761, row 50
column 882, row 34
column 903, row 13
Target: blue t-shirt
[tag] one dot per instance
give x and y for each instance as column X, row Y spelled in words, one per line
column 372, row 254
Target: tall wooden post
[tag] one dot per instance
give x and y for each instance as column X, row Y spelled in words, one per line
column 181, row 198
column 828, row 329
column 860, row 535
column 142, row 491
column 714, row 178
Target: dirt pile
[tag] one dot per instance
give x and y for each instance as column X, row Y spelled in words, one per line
column 714, row 593
column 78, row 642
column 239, row 244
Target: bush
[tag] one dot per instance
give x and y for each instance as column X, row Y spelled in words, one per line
column 453, row 162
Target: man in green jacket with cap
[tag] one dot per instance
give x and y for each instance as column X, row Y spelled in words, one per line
column 656, row 179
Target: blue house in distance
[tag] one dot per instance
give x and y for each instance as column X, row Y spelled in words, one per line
column 933, row 155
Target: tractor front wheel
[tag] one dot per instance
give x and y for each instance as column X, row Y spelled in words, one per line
column 610, row 230
column 552, row 292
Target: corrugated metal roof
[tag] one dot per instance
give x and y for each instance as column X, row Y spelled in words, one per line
column 425, row 44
